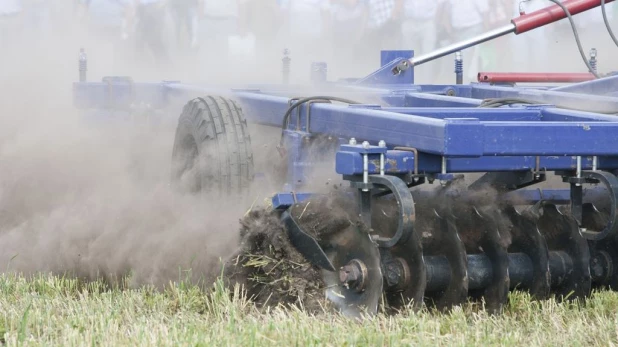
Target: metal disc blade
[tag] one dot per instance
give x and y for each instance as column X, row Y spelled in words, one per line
column 445, row 241
column 562, row 234
column 593, row 218
column 354, row 244
column 527, row 239
column 494, row 244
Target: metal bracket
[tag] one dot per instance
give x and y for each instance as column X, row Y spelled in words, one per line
column 405, row 227
column 593, row 177
column 508, row 180
column 306, row 244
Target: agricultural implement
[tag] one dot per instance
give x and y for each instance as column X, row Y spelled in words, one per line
column 424, row 234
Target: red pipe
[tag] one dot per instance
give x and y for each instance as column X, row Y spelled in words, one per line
column 532, row 77
column 518, row 25
column 552, row 14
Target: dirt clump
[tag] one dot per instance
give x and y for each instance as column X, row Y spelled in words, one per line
column 270, row 268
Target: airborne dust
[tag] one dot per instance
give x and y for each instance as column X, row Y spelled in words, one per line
column 93, row 199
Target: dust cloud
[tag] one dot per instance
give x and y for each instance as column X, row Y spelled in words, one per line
column 98, row 203
column 94, row 199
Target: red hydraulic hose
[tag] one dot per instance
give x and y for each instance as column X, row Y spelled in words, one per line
column 532, row 77
column 517, row 25
column 552, row 14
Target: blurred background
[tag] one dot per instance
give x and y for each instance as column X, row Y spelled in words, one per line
column 221, row 41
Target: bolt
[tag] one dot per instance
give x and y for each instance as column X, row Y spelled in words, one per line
column 382, row 143
column 366, row 145
column 393, row 277
column 353, row 275
column 348, row 274
column 596, row 267
column 353, row 142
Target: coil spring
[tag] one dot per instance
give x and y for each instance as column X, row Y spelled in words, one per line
column 593, row 64
column 458, row 68
column 593, row 60
column 458, row 65
column 83, row 65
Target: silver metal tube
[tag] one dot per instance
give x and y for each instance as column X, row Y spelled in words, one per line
column 579, row 167
column 439, row 53
column 443, row 165
column 365, row 170
column 595, row 163
column 382, row 144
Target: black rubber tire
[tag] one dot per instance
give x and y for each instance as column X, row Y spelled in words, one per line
column 212, row 148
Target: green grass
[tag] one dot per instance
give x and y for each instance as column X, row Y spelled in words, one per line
column 47, row 310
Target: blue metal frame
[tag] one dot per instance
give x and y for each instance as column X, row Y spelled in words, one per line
column 443, row 123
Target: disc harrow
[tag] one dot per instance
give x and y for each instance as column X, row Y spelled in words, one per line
column 454, row 248
column 456, row 192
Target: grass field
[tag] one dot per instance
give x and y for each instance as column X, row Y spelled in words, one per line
column 47, row 310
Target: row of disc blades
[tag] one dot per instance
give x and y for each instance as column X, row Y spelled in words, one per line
column 453, row 236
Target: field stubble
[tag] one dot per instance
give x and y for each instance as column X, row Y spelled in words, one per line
column 51, row 310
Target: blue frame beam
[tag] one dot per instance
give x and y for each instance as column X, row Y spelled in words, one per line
column 454, row 137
